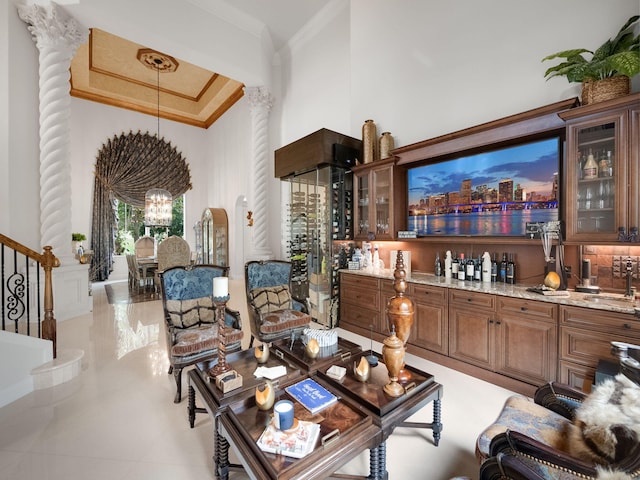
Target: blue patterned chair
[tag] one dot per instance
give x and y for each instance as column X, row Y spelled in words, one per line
column 554, row 437
column 189, row 313
column 274, row 313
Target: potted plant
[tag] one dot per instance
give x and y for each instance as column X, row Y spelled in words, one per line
column 76, row 241
column 607, row 72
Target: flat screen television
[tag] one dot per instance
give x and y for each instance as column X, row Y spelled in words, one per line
column 492, row 193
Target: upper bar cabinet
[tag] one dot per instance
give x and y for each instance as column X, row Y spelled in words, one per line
column 374, row 188
column 601, row 168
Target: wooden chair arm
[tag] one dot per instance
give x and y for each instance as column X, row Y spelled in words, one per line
column 511, row 442
column 559, row 398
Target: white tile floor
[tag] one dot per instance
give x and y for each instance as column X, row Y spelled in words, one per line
column 117, row 420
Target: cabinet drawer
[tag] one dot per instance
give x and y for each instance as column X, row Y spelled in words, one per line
column 427, row 294
column 610, row 323
column 585, row 347
column 360, row 317
column 352, row 280
column 359, row 296
column 386, row 287
column 529, row 308
column 464, row 299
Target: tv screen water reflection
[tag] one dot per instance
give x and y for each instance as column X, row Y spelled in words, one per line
column 493, row 193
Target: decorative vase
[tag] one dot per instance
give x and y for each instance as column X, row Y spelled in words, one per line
column 262, row 353
column 361, row 370
column 312, row 349
column 265, row 397
column 369, row 141
column 400, row 310
column 393, row 358
column 386, row 145
column 594, row 91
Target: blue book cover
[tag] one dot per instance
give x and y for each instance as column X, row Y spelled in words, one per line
column 311, row 395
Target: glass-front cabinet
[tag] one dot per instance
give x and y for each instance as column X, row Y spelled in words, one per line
column 602, row 171
column 374, row 191
column 215, row 233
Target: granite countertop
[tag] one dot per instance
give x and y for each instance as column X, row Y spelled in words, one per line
column 602, row 301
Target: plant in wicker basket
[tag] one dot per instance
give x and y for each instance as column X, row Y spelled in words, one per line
column 607, row 72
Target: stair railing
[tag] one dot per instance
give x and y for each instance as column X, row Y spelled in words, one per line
column 21, row 296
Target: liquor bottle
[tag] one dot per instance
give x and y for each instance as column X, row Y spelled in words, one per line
column 511, row 270
column 590, row 169
column 462, row 268
column 455, row 265
column 471, row 269
column 478, row 269
column 438, row 265
column 494, row 268
column 603, row 165
column 503, row 269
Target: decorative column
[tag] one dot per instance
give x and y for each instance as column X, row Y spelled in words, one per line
column 260, row 102
column 57, row 39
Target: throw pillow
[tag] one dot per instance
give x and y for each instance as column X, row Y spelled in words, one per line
column 186, row 313
column 607, row 424
column 270, row 299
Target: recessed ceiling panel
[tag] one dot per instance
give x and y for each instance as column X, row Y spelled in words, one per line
column 108, row 69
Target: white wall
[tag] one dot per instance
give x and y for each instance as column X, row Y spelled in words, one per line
column 19, row 145
column 419, row 69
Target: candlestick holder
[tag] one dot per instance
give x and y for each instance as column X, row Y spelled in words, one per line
column 222, row 366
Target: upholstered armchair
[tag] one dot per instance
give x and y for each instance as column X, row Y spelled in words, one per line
column 190, row 322
column 274, row 313
column 563, row 433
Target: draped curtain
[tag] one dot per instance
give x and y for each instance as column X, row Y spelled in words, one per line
column 126, row 167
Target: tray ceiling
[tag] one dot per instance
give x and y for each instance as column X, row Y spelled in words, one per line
column 114, row 71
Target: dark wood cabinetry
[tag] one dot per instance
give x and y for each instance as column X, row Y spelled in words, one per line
column 599, row 205
column 471, row 327
column 360, row 304
column 585, row 338
column 430, row 326
column 377, row 194
column 527, row 339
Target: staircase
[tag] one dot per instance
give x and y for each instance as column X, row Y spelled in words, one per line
column 29, row 359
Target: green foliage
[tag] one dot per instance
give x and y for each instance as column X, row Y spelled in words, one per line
column 78, row 237
column 131, row 225
column 617, row 56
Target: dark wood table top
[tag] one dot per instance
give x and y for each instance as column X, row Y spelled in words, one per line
column 244, row 362
column 345, row 431
column 342, row 351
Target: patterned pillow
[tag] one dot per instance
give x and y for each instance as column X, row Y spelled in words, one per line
column 186, row 313
column 270, row 299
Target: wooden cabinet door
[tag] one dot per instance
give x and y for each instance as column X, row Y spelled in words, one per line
column 471, row 337
column 526, row 349
column 430, row 327
column 527, row 340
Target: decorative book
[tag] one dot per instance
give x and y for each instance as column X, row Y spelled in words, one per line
column 297, row 442
column 311, row 395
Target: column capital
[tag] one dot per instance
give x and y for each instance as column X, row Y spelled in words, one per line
column 51, row 27
column 259, row 97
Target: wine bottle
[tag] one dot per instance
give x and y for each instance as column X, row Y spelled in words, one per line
column 462, row 268
column 590, row 169
column 471, row 269
column 478, row 269
column 503, row 268
column 511, row 270
column 438, row 265
column 455, row 265
column 494, row 268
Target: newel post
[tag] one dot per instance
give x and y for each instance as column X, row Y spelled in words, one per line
column 49, row 324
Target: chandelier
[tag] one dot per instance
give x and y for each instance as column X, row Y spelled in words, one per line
column 157, row 201
column 157, row 208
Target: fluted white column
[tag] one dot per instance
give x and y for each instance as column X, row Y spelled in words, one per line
column 57, row 39
column 260, row 102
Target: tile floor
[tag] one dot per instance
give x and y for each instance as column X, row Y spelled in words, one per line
column 117, row 420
